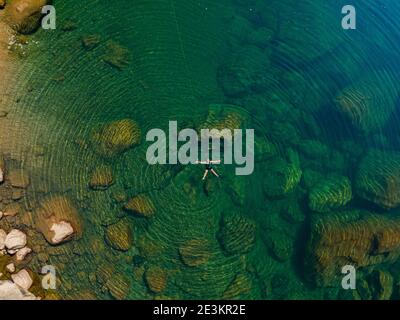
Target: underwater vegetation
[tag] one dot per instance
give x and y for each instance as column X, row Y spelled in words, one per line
column 76, row 190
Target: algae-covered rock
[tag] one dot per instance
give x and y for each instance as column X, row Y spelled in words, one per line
column 313, row 149
column 244, row 72
column 381, row 284
column 352, row 238
column 237, row 234
column 195, row 252
column 264, row 149
column 102, row 178
column 223, row 116
column 91, row 41
column 279, row 244
column 116, row 137
column 116, row 55
column 24, row 15
column 330, row 193
column 118, row 286
column 282, row 176
column 119, row 235
column 239, row 288
column 140, row 205
column 378, row 178
column 58, row 220
column 370, row 102
column 156, row 279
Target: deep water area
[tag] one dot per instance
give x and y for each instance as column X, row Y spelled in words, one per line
column 324, row 106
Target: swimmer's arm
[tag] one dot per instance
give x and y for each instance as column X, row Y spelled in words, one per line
column 215, row 161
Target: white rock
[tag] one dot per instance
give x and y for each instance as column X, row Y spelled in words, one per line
column 11, row 291
column 23, row 279
column 61, row 231
column 10, row 267
column 3, row 236
column 15, row 239
column 21, row 254
column 1, row 175
column 1, row 214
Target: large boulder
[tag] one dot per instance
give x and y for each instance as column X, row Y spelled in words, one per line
column 24, row 15
column 58, row 220
column 378, row 178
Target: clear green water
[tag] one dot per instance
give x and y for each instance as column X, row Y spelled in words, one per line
column 177, row 50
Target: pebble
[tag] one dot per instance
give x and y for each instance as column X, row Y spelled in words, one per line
column 15, row 239
column 22, row 253
column 10, row 267
column 3, row 236
column 23, row 279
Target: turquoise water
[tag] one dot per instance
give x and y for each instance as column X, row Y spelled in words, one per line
column 319, row 98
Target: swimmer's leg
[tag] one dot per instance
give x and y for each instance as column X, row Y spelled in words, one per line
column 205, row 174
column 214, row 173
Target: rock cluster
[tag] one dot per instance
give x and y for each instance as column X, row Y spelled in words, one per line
column 350, row 238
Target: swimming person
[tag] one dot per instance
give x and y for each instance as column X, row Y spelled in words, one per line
column 209, row 167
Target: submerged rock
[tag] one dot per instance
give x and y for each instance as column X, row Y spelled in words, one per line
column 195, row 252
column 370, row 102
column 118, row 286
column 350, row 238
column 378, row 178
column 58, row 220
column 116, row 137
column 329, row 194
column 119, row 235
column 24, row 15
column 244, row 72
column 282, row 176
column 102, row 178
column 279, row 244
column 140, row 205
column 238, row 288
column 381, row 284
column 237, row 234
column 156, row 279
column 91, row 41
column 116, row 55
